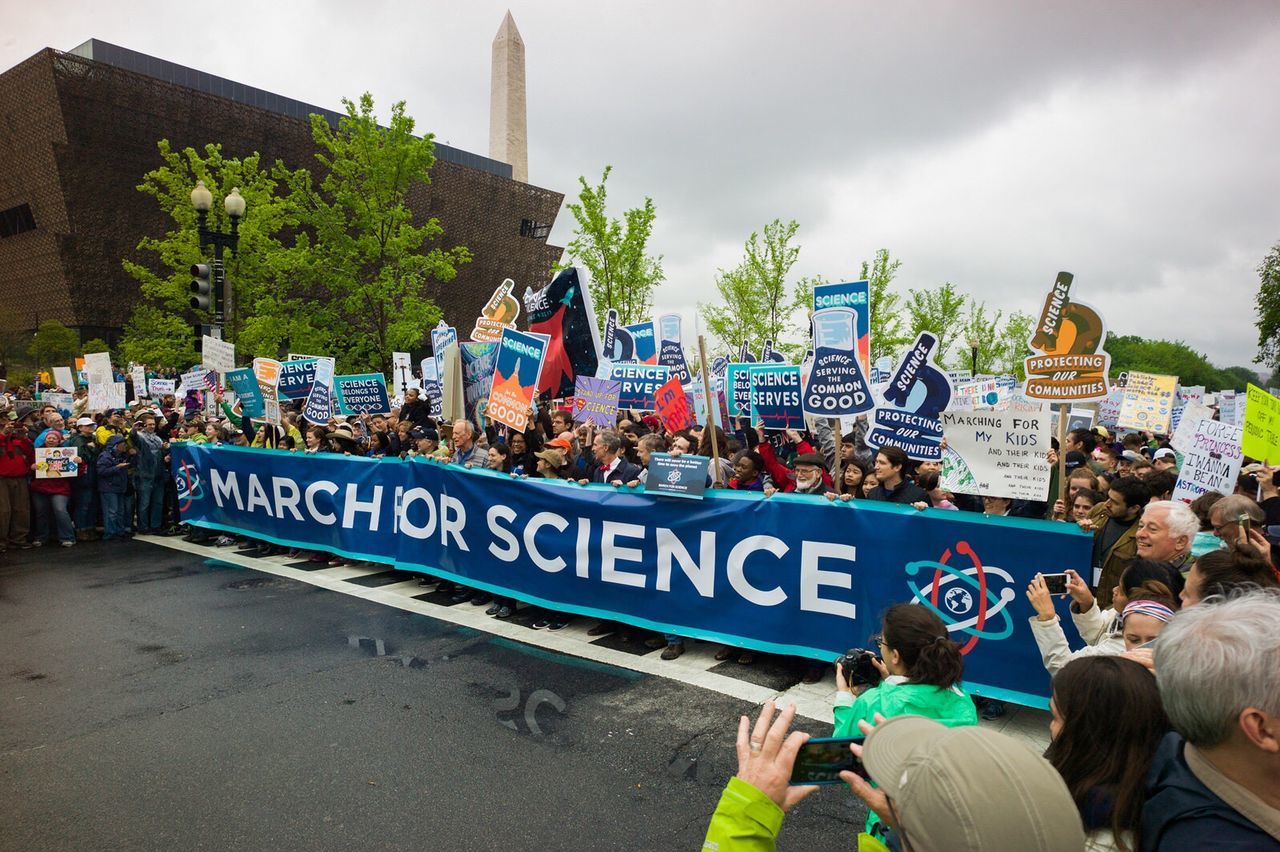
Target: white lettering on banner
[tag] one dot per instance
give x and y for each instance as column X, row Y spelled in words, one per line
column 812, row 576
column 736, row 569
column 551, row 566
column 402, row 522
column 283, row 502
column 352, row 505
column 512, row 550
column 326, row 518
column 701, row 574
column 612, row 553
column 453, row 517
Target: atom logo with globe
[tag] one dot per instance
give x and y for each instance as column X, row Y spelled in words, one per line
column 963, row 598
column 188, row 486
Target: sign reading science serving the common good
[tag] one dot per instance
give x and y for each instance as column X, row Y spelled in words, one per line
column 836, row 385
column 1070, row 364
column 857, row 296
column 996, row 454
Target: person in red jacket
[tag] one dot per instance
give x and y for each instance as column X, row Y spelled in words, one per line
column 51, row 496
column 17, row 455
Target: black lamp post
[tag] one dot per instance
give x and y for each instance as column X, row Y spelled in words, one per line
column 219, row 294
column 973, row 355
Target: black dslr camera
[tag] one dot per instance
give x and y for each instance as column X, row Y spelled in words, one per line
column 858, row 668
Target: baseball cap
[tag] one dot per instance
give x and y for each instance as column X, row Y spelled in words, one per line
column 1164, row 453
column 970, row 788
column 86, row 421
column 559, row 444
column 1130, row 455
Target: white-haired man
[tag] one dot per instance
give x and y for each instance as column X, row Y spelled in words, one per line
column 1215, row 782
column 1165, row 532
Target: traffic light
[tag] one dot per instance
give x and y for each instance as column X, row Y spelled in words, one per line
column 203, row 296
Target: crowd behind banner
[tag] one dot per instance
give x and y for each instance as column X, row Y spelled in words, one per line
column 1184, row 530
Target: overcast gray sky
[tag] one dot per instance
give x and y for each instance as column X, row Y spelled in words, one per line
column 986, row 143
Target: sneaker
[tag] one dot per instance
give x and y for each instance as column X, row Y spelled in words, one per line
column 33, row 544
column 480, row 598
column 746, row 658
column 426, row 581
column 319, row 557
column 993, row 710
column 541, row 624
column 601, row 629
column 504, row 612
column 462, row 594
column 223, row 541
column 673, row 651
column 68, row 544
column 655, row 642
column 559, row 624
column 493, row 608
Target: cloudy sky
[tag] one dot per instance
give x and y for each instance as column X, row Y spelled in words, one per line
column 989, row 144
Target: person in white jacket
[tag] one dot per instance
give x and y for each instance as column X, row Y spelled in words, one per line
column 1141, row 622
column 1143, row 578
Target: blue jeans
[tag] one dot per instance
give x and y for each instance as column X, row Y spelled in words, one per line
column 115, row 523
column 84, row 502
column 52, row 507
column 150, row 504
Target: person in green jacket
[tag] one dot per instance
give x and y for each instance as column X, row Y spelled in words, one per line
column 920, row 670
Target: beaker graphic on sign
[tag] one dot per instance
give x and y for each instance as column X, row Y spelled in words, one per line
column 669, row 327
column 833, row 328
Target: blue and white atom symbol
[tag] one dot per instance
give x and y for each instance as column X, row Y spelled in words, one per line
column 969, row 607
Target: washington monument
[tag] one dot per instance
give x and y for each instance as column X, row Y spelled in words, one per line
column 508, row 135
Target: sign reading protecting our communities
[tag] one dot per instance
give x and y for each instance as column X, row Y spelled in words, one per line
column 792, row 574
column 1212, row 463
column 677, row 476
column 498, row 313
column 996, row 454
column 775, row 396
column 640, row 383
column 917, row 393
column 857, row 296
column 595, row 401
column 365, row 393
column 1069, row 364
column 1262, row 426
column 57, row 462
column 516, row 372
column 1148, row 402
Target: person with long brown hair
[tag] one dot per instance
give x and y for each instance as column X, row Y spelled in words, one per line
column 1107, row 723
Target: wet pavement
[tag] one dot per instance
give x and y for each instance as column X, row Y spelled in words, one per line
column 154, row 699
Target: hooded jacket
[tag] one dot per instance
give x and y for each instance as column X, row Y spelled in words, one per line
column 17, row 454
column 113, row 479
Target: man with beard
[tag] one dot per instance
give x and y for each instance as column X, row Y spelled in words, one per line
column 809, row 468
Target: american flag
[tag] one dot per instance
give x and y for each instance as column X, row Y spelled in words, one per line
column 211, row 380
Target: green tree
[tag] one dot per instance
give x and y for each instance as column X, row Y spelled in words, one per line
column 623, row 273
column 769, row 258
column 1239, row 378
column 734, row 319
column 12, row 337
column 1013, row 349
column 1267, row 305
column 95, row 344
column 887, row 333
column 937, row 311
column 157, row 338
column 1173, row 358
column 371, row 265
column 54, row 345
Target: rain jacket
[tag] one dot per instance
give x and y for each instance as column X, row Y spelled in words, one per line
column 746, row 820
column 111, row 478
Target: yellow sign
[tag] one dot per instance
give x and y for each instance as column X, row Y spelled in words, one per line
column 1148, row 402
column 1262, row 426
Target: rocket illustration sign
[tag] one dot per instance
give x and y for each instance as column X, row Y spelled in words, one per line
column 515, row 377
column 670, row 352
column 1069, row 364
column 836, row 386
column 918, row 392
column 498, row 313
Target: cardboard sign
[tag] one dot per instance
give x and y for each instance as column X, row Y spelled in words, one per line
column 1212, row 463
column 1148, row 402
column 1184, row 433
column 218, row 355
column 997, row 454
column 62, row 378
column 640, row 383
column 671, row 351
column 677, row 476
column 138, row 376
column 981, row 394
column 193, row 379
column 776, row 396
column 61, row 401
column 595, row 401
column 104, row 397
column 499, row 312
column 738, row 389
column 1069, row 364
column 644, row 339
column 319, row 405
column 673, row 408
column 1109, row 408
column 57, row 462
column 1194, row 393
column 918, row 391
column 296, row 378
column 516, row 372
column 1262, row 426
column 836, row 385
column 161, row 387
column 245, row 385
column 97, row 367
column 857, row 296
column 365, row 393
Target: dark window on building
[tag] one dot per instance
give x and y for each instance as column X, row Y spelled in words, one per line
column 534, row 230
column 15, row 220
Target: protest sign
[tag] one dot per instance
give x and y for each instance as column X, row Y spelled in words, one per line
column 61, row 401
column 97, row 367
column 401, row 373
column 980, row 394
column 1242, row 403
column 1148, row 402
column 193, row 379
column 672, row 406
column 738, row 389
column 617, row 344
column 138, row 377
column 775, row 396
column 217, row 355
column 57, row 462
column 595, row 401
column 296, row 378
column 1227, row 406
column 644, row 339
column 161, row 387
column 1194, row 393
column 769, row 355
column 1109, row 408
column 1184, row 433
column 791, row 575
column 105, row 396
column 498, row 313
column 917, row 392
column 836, row 385
column 245, row 385
column 515, row 377
column 959, row 376
column 1069, row 364
column 857, row 296
column 697, row 397
column 640, row 383
column 1262, row 426
column 62, row 378
column 996, row 454
column 1079, row 418
column 364, row 393
column 268, row 372
column 671, row 350
column 319, row 405
column 562, row 312
column 677, row 476
column 477, row 378
column 442, row 337
column 1212, row 463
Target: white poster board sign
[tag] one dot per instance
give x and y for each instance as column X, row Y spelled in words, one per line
column 1212, row 463
column 996, row 453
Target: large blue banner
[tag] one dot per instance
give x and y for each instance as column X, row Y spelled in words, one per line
column 791, row 574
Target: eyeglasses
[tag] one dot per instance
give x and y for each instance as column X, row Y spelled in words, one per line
column 877, row 640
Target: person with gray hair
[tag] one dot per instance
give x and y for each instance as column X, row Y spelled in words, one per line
column 1165, row 532
column 1225, row 515
column 611, row 466
column 1215, row 781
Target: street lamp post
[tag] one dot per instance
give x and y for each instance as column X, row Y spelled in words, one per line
column 234, row 204
column 973, row 354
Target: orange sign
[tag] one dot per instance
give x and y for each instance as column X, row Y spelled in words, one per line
column 1070, row 364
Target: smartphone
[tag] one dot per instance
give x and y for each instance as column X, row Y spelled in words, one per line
column 821, row 760
column 1245, row 521
column 1055, row 583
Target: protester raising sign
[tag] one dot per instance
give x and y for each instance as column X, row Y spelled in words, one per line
column 297, row 378
column 645, row 342
column 57, row 462
column 738, row 389
column 365, row 393
column 498, row 313
column 775, row 396
column 996, row 454
column 562, row 312
column 1070, row 364
column 673, row 407
column 1148, row 402
column 1212, row 463
column 671, row 351
column 595, row 401
column 217, row 354
column 319, row 405
column 160, row 387
column 855, row 295
column 515, row 377
column 245, row 385
column 1262, row 426
column 640, row 383
column 918, row 391
column 836, row 385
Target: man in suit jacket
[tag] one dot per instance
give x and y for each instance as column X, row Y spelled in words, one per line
column 610, row 466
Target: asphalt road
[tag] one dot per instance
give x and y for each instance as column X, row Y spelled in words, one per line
column 151, row 699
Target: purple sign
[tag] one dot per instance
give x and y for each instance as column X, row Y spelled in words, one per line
column 595, row 401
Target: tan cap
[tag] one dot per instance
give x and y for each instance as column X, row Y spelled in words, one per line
column 970, row 788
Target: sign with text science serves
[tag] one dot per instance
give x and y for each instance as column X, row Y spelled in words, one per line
column 996, row 454
column 791, row 574
column 775, row 396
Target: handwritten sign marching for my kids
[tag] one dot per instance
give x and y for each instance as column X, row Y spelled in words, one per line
column 996, row 453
